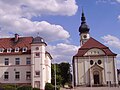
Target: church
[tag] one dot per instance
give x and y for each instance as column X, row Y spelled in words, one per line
column 94, row 64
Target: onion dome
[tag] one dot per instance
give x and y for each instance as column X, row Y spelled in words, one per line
column 84, row 28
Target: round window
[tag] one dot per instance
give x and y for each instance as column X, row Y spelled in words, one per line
column 99, row 62
column 91, row 62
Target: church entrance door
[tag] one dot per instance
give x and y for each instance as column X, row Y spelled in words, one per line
column 96, row 78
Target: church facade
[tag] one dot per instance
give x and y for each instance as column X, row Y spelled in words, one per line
column 94, row 63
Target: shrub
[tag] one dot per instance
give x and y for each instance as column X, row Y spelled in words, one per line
column 9, row 87
column 24, row 88
column 49, row 86
column 35, row 89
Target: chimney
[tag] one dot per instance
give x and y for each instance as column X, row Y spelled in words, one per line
column 16, row 37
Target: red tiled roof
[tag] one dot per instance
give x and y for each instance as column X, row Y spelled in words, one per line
column 92, row 43
column 9, row 43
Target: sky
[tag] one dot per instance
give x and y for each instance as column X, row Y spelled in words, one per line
column 57, row 21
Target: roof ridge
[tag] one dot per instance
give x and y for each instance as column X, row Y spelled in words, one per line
column 19, row 37
column 93, row 41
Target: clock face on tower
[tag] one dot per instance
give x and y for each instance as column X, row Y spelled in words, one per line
column 85, row 36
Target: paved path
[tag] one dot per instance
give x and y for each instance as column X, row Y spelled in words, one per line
column 93, row 88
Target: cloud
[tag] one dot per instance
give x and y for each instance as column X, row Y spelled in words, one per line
column 118, row 1
column 16, row 17
column 29, row 8
column 62, row 52
column 26, row 27
column 112, row 41
column 106, row 1
column 118, row 17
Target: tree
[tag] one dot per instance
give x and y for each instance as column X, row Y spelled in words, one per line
column 65, row 72
column 58, row 76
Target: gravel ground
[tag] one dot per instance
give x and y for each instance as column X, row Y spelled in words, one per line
column 93, row 88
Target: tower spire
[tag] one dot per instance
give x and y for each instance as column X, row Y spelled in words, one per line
column 83, row 29
column 83, row 17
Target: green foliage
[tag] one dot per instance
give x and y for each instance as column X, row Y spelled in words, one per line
column 14, row 87
column 35, row 89
column 63, row 74
column 8, row 87
column 58, row 76
column 49, row 86
column 24, row 88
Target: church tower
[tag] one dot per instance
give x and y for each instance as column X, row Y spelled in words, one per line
column 84, row 30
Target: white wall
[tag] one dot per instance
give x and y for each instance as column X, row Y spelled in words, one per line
column 22, row 68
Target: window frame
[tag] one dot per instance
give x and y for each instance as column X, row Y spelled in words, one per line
column 37, row 54
column 6, row 61
column 17, row 75
column 24, row 49
column 28, row 75
column 37, row 73
column 6, row 74
column 28, row 61
column 17, row 61
column 9, row 50
column 1, row 50
column 17, row 49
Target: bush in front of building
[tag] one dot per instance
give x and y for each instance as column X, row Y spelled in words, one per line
column 49, row 86
column 24, row 88
column 35, row 89
column 8, row 87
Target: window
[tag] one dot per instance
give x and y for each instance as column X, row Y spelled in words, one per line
column 1, row 50
column 17, row 49
column 6, row 75
column 17, row 75
column 28, row 61
column 6, row 61
column 28, row 75
column 99, row 62
column 24, row 49
column 37, row 73
column 91, row 62
column 37, row 48
column 9, row 50
column 37, row 54
column 94, row 52
column 17, row 61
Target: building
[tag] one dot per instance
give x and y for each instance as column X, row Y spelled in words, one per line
column 118, row 73
column 24, row 61
column 94, row 64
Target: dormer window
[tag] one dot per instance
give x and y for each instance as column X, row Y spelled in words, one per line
column 1, row 50
column 17, row 49
column 9, row 50
column 24, row 49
